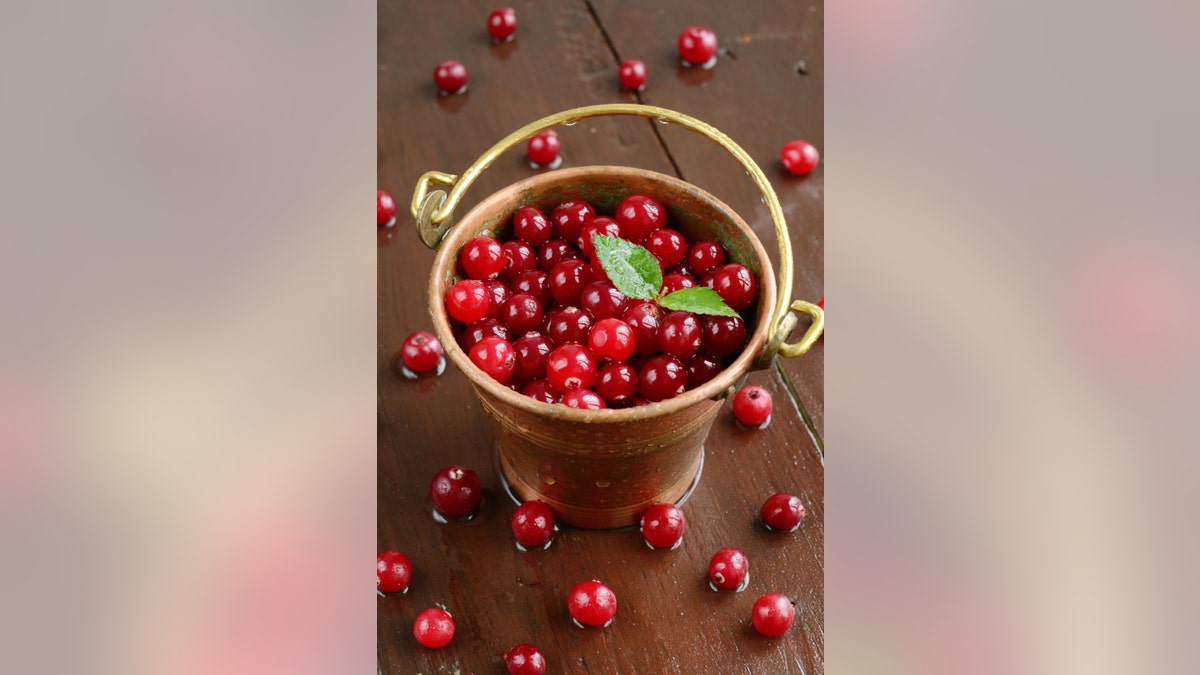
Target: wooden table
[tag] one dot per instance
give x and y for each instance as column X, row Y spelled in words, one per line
column 765, row 91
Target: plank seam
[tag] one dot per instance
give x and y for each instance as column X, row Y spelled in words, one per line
column 795, row 396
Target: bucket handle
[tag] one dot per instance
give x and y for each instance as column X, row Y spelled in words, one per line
column 432, row 210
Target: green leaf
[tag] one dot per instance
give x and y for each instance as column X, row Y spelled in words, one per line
column 632, row 269
column 698, row 300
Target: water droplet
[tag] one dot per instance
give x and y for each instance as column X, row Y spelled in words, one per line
column 663, row 120
column 674, row 546
column 548, row 479
column 525, row 549
column 602, row 483
column 570, row 123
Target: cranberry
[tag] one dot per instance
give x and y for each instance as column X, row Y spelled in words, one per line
column 800, row 157
column 481, row 329
column 482, row 257
column 782, row 511
column 531, row 226
column 543, row 149
column 450, row 77
column 434, row 628
column 467, row 301
column 752, row 406
column 821, row 304
column 617, row 384
column 677, row 282
column 662, row 526
column 591, row 603
column 518, row 257
column 597, row 225
column 533, row 524
column 643, row 316
column 393, row 571
column 701, row 368
column 728, row 569
column 533, row 282
column 640, row 215
column 611, row 339
column 525, row 659
column 598, row 271
column 455, row 491
column 532, row 350
column 571, row 366
column 698, row 46
column 495, row 357
column 522, row 313
column 568, row 324
column 661, row 378
column 736, row 285
column 632, row 75
column 498, row 293
column 569, row 217
column 773, row 614
column 679, row 335
column 385, row 208
column 602, row 300
column 551, row 253
column 502, row 24
column 584, row 399
column 421, row 352
column 668, row 245
column 567, row 280
column 705, row 256
column 722, row 335
column 540, row 390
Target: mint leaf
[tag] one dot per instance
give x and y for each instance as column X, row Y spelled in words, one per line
column 632, row 269
column 698, row 300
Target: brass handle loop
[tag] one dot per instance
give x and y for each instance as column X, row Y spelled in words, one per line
column 432, row 210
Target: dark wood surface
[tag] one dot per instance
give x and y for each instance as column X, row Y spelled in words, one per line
column 766, row 90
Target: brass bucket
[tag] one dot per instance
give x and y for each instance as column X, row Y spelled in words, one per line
column 602, row 468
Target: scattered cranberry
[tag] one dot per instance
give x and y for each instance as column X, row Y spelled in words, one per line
column 662, row 526
column 698, row 46
column 497, row 293
column 722, row 335
column 385, row 208
column 611, row 339
column 450, row 77
column 525, row 659
column 535, row 283
column 821, row 304
column 532, row 350
column 800, row 157
column 583, row 399
column 752, row 406
column 597, row 225
column 736, row 286
column 591, row 603
column 602, row 300
column 531, row 226
column 617, row 384
column 468, row 301
column 482, row 257
column 393, row 571
column 522, row 313
column 668, row 245
column 455, row 491
column 632, row 75
column 773, row 614
column 541, row 390
column 567, row 280
column 434, row 628
column 533, row 524
column 679, row 335
column 421, row 352
column 639, row 216
column 518, row 257
column 495, row 357
column 571, row 366
column 661, row 378
column 701, row 368
column 484, row 328
column 568, row 324
column 728, row 569
column 569, row 217
column 543, row 149
column 502, row 24
column 644, row 317
column 705, row 257
column 783, row 511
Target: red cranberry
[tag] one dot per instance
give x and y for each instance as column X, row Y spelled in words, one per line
column 640, row 215
column 434, row 628
column 698, row 46
column 644, row 317
column 591, row 603
column 668, row 245
column 583, row 399
column 701, row 368
column 617, row 384
column 752, row 406
column 571, row 366
column 632, row 75
column 421, row 352
column 736, row 285
column 800, row 157
column 661, row 378
column 551, row 253
column 611, row 339
column 502, row 24
column 393, row 571
column 531, row 226
column 662, row 526
column 495, row 357
column 482, row 257
column 467, row 301
column 705, row 257
column 543, row 149
column 455, row 491
column 677, row 282
column 821, row 304
column 450, row 77
column 598, row 271
column 773, row 614
column 679, row 335
column 568, row 324
column 385, row 208
column 728, row 569
column 532, row 350
column 518, row 257
column 782, row 511
column 597, row 225
column 522, row 313
column 533, row 282
column 567, row 280
column 533, row 524
column 481, row 329
column 540, row 390
column 498, row 293
column 525, row 659
column 569, row 217
column 722, row 335
column 602, row 300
